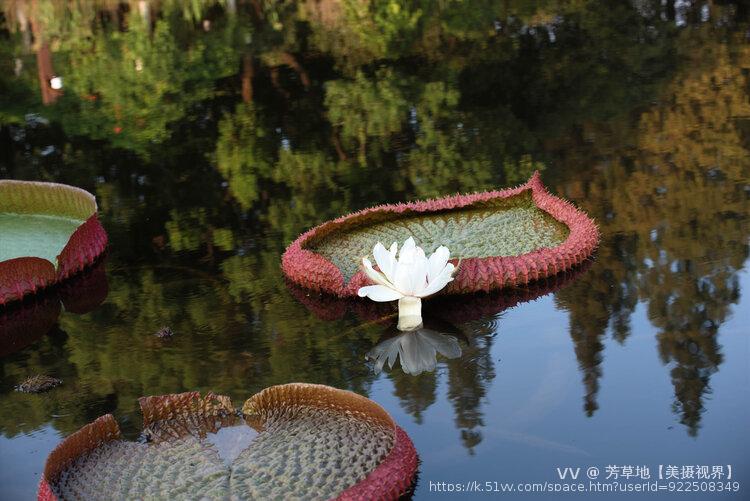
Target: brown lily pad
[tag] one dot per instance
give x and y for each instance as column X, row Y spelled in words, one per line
column 294, row 441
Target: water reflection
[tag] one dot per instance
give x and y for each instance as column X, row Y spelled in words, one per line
column 213, row 134
column 24, row 323
column 417, row 350
column 674, row 211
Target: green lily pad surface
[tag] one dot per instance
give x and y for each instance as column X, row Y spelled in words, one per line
column 501, row 227
column 316, row 455
column 294, row 441
column 35, row 235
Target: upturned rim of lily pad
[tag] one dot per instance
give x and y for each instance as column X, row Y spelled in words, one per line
column 307, row 268
column 392, row 478
column 28, row 274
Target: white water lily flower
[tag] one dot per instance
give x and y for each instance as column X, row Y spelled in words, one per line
column 407, row 279
column 417, row 350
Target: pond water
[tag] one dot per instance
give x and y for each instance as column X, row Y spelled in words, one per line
column 212, row 136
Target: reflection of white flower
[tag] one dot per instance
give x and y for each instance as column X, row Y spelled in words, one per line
column 409, row 278
column 418, row 350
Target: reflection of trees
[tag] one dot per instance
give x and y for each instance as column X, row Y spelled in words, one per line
column 127, row 75
column 132, row 85
column 468, row 380
column 603, row 297
column 690, row 274
column 109, row 358
column 467, row 377
column 244, row 153
column 310, row 110
column 675, row 205
column 416, row 393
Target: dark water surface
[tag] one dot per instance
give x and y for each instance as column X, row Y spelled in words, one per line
column 212, row 138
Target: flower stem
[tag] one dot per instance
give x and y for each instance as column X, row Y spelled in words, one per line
column 409, row 313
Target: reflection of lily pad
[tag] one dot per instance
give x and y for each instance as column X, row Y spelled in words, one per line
column 295, row 441
column 453, row 309
column 502, row 238
column 25, row 322
column 49, row 233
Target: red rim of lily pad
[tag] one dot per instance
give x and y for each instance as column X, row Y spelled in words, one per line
column 168, row 417
column 305, row 267
column 28, row 275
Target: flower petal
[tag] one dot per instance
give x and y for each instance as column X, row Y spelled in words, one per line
column 440, row 281
column 418, row 274
column 438, row 260
column 406, row 255
column 373, row 275
column 379, row 293
column 402, row 279
column 386, row 261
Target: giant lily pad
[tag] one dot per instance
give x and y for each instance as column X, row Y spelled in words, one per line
column 49, row 232
column 501, row 238
column 295, row 441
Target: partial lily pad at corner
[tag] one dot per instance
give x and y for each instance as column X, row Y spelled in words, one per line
column 295, row 441
column 49, row 233
column 501, row 239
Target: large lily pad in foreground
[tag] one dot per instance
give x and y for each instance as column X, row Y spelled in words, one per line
column 501, row 238
column 48, row 232
column 295, row 441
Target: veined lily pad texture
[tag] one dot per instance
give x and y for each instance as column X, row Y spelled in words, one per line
column 501, row 239
column 48, row 232
column 294, row 441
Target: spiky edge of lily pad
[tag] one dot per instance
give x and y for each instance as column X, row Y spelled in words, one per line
column 28, row 275
column 313, row 271
column 389, row 480
column 393, row 476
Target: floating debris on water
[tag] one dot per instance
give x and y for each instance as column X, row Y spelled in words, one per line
column 164, row 333
column 38, row 384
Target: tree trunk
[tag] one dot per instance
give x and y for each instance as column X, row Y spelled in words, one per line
column 248, row 71
column 45, row 70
